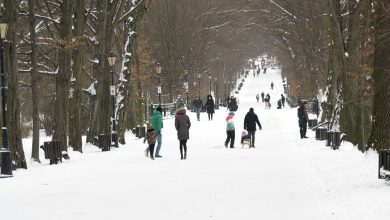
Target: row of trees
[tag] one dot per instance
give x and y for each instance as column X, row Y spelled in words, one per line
column 59, row 78
column 333, row 48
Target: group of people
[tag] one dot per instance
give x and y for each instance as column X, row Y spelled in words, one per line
column 153, row 133
column 209, row 106
column 250, row 121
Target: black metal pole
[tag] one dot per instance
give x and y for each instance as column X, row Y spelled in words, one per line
column 6, row 163
column 199, row 88
column 210, row 88
column 159, row 91
column 114, row 134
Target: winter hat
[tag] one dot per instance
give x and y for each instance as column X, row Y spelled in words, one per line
column 159, row 109
column 251, row 110
column 231, row 113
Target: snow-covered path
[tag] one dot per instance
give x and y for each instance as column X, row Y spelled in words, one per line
column 284, row 177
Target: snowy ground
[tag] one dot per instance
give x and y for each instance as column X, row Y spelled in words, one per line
column 284, row 177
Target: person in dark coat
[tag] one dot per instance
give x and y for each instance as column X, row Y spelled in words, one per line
column 233, row 104
column 250, row 122
column 210, row 107
column 283, row 100
column 279, row 104
column 182, row 125
column 198, row 105
column 272, row 85
column 262, row 96
column 302, row 119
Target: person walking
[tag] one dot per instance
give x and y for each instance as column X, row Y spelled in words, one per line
column 157, row 124
column 233, row 105
column 198, row 105
column 272, row 85
column 283, row 100
column 210, row 107
column 250, row 122
column 262, row 96
column 150, row 137
column 302, row 119
column 230, row 130
column 182, row 125
column 257, row 97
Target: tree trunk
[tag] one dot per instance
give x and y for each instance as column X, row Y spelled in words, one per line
column 63, row 75
column 380, row 138
column 15, row 137
column 100, row 119
column 124, row 116
column 75, row 134
column 34, row 83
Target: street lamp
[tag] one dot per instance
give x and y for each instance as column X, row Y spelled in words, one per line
column 210, row 84
column 6, row 163
column 216, row 90
column 111, row 63
column 158, row 71
column 186, row 85
column 199, row 77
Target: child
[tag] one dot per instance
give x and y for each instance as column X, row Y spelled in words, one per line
column 245, row 137
column 230, row 130
column 150, row 136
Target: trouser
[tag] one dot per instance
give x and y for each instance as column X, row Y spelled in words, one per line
column 230, row 135
column 183, row 147
column 252, row 134
column 302, row 129
column 159, row 140
column 197, row 110
column 151, row 150
column 210, row 116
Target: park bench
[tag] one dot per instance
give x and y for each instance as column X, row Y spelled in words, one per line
column 104, row 142
column 384, row 165
column 53, row 151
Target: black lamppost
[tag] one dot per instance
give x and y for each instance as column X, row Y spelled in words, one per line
column 216, row 90
column 199, row 78
column 111, row 63
column 210, row 84
column 158, row 70
column 6, row 164
column 186, row 85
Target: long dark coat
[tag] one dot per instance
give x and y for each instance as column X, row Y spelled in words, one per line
column 182, row 124
column 209, row 104
column 250, row 121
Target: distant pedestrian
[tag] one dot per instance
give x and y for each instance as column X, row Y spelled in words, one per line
column 233, row 106
column 182, row 125
column 210, row 107
column 279, row 104
column 283, row 100
column 262, row 96
column 179, row 102
column 230, row 130
column 150, row 137
column 265, row 70
column 250, row 122
column 302, row 119
column 257, row 97
column 272, row 85
column 198, row 105
column 157, row 124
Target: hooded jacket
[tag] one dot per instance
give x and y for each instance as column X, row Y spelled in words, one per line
column 182, row 124
column 251, row 120
column 156, row 121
